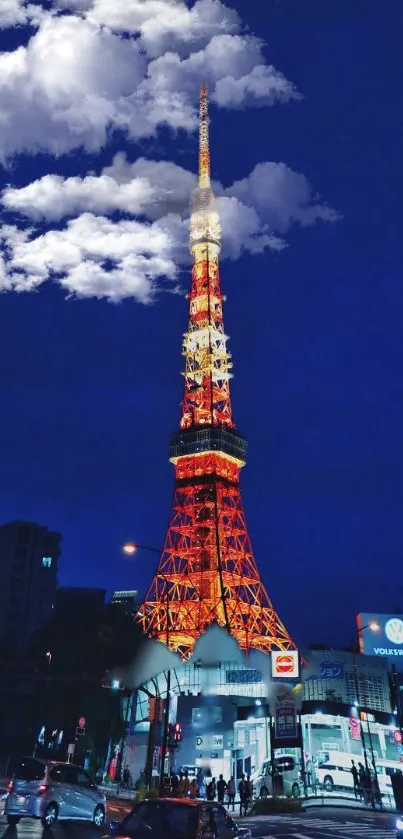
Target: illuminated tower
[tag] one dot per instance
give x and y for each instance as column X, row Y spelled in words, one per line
column 207, row 572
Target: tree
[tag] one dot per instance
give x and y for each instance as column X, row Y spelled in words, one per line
column 69, row 684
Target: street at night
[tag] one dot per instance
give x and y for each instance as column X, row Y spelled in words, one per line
column 331, row 824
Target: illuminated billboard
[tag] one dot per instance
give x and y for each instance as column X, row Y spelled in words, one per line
column 386, row 641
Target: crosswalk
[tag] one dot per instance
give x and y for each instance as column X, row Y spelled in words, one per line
column 300, row 827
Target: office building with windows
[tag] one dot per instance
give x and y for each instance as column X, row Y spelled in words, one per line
column 29, row 555
column 125, row 600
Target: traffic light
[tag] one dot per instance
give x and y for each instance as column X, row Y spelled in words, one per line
column 177, row 733
column 174, row 735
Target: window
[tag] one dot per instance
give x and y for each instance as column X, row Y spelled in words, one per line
column 179, row 821
column 46, row 561
column 58, row 775
column 83, row 778
column 23, row 534
column 30, row 770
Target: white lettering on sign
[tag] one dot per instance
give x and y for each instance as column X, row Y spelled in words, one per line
column 210, row 742
column 387, row 651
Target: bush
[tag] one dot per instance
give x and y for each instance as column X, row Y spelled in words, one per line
column 264, row 806
column 143, row 792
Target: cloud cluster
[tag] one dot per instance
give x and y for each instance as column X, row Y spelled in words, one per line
column 91, row 257
column 84, row 255
column 81, row 77
column 91, row 67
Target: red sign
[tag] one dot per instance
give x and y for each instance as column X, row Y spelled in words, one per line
column 354, row 728
column 285, row 664
column 81, row 722
column 397, row 736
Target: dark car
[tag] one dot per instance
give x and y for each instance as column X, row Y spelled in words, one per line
column 178, row 818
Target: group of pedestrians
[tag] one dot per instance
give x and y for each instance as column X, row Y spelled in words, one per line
column 366, row 786
column 226, row 791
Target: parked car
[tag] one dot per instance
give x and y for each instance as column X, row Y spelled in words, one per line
column 286, row 769
column 399, row 827
column 53, row 791
column 178, row 818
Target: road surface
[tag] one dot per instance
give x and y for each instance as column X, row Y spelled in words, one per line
column 324, row 824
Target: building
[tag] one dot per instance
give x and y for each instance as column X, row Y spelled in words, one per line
column 29, row 555
column 74, row 600
column 125, row 600
column 329, row 676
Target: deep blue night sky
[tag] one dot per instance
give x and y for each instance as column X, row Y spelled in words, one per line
column 91, row 389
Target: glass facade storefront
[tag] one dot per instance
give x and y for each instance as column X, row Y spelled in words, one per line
column 227, row 728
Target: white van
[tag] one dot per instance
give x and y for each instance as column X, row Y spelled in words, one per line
column 287, row 767
column 334, row 770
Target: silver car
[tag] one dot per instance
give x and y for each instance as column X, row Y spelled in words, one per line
column 47, row 790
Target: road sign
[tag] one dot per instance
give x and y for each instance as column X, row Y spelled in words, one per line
column 397, row 736
column 81, row 722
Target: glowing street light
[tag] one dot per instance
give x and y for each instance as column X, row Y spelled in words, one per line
column 130, row 548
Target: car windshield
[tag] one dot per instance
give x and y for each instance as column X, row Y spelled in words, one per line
column 29, row 769
column 177, row 821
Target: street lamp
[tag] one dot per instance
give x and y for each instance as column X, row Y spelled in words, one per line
column 374, row 627
column 130, row 548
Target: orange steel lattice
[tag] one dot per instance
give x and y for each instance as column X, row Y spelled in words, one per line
column 207, row 572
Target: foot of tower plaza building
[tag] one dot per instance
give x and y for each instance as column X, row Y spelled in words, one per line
column 233, row 719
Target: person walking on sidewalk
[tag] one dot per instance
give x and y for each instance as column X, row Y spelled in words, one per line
column 356, row 780
column 231, row 793
column 221, row 787
column 243, row 796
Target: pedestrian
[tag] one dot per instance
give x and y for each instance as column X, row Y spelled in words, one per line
column 243, row 796
column 174, row 786
column 193, row 788
column 356, row 780
column 221, row 787
column 249, row 793
column 231, row 793
column 211, row 790
column 363, row 776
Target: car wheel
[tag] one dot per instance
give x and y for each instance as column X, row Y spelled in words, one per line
column 50, row 815
column 13, row 819
column 99, row 816
column 328, row 783
column 264, row 792
column 295, row 792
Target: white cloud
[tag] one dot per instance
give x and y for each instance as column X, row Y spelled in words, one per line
column 66, row 87
column 164, row 24
column 272, row 196
column 233, row 67
column 77, row 80
column 281, row 197
column 12, row 13
column 94, row 256
column 91, row 257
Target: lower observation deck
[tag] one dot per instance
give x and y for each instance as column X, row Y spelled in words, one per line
column 208, row 438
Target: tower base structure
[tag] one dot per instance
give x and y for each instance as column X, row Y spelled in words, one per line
column 207, row 572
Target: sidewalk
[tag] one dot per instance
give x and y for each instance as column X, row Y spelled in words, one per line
column 343, row 801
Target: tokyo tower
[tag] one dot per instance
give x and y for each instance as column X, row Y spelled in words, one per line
column 207, row 572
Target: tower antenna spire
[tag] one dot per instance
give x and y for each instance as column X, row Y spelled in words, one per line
column 204, row 146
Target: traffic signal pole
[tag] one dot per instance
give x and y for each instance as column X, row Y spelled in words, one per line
column 164, row 748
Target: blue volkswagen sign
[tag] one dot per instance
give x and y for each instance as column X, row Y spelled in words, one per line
column 387, row 641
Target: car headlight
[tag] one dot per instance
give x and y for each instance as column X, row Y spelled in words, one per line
column 399, row 824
